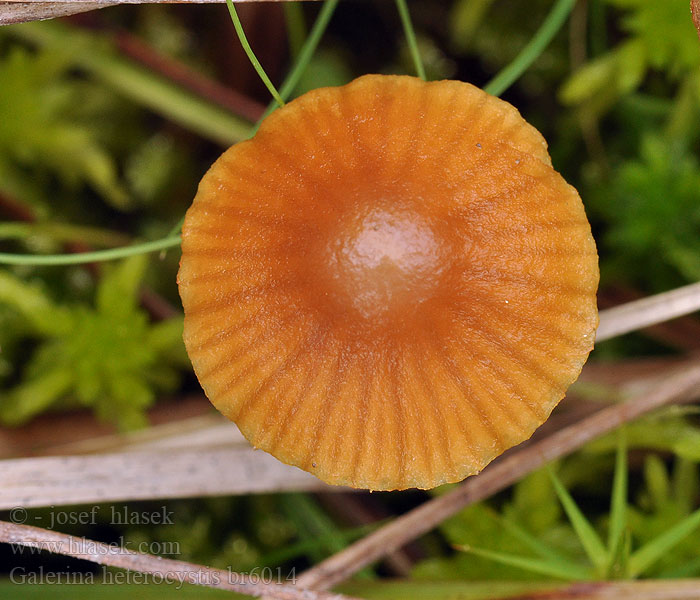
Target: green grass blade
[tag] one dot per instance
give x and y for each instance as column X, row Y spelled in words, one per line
column 685, row 483
column 528, row 539
column 411, row 37
column 315, row 526
column 652, row 551
column 251, row 55
column 587, row 535
column 559, row 568
column 309, row 47
column 529, row 54
column 296, row 27
column 290, row 82
column 618, row 503
column 619, row 562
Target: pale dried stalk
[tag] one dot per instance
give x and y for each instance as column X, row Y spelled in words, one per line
column 648, row 311
column 206, row 431
column 89, row 2
column 171, row 473
column 664, row 589
column 497, row 476
column 23, row 11
column 164, row 568
column 677, row 589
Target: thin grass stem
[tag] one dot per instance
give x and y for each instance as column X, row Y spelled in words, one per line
column 296, row 27
column 251, row 55
column 88, row 257
column 411, row 37
column 529, row 54
column 305, row 55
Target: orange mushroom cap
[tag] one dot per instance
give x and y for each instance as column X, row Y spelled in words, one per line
column 389, row 285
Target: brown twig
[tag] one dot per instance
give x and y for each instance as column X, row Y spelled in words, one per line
column 497, row 476
column 695, row 11
column 163, row 568
column 80, row 432
column 9, row 207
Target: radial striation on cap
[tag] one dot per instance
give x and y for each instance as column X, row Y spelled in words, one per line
column 389, row 285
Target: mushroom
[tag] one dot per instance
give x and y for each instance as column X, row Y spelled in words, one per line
column 389, row 285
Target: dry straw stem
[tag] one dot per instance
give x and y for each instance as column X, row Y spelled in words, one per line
column 648, row 311
column 22, row 11
column 167, row 473
column 678, row 589
column 161, row 568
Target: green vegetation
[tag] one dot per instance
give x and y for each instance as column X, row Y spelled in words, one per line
column 101, row 151
column 108, row 357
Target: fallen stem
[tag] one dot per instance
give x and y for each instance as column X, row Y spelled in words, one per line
column 164, row 568
column 499, row 475
column 662, row 589
column 16, row 11
column 648, row 311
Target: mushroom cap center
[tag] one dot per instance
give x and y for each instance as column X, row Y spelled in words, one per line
column 383, row 262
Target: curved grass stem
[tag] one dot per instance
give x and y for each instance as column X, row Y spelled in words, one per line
column 552, row 24
column 87, row 257
column 251, row 55
column 308, row 49
column 304, row 57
